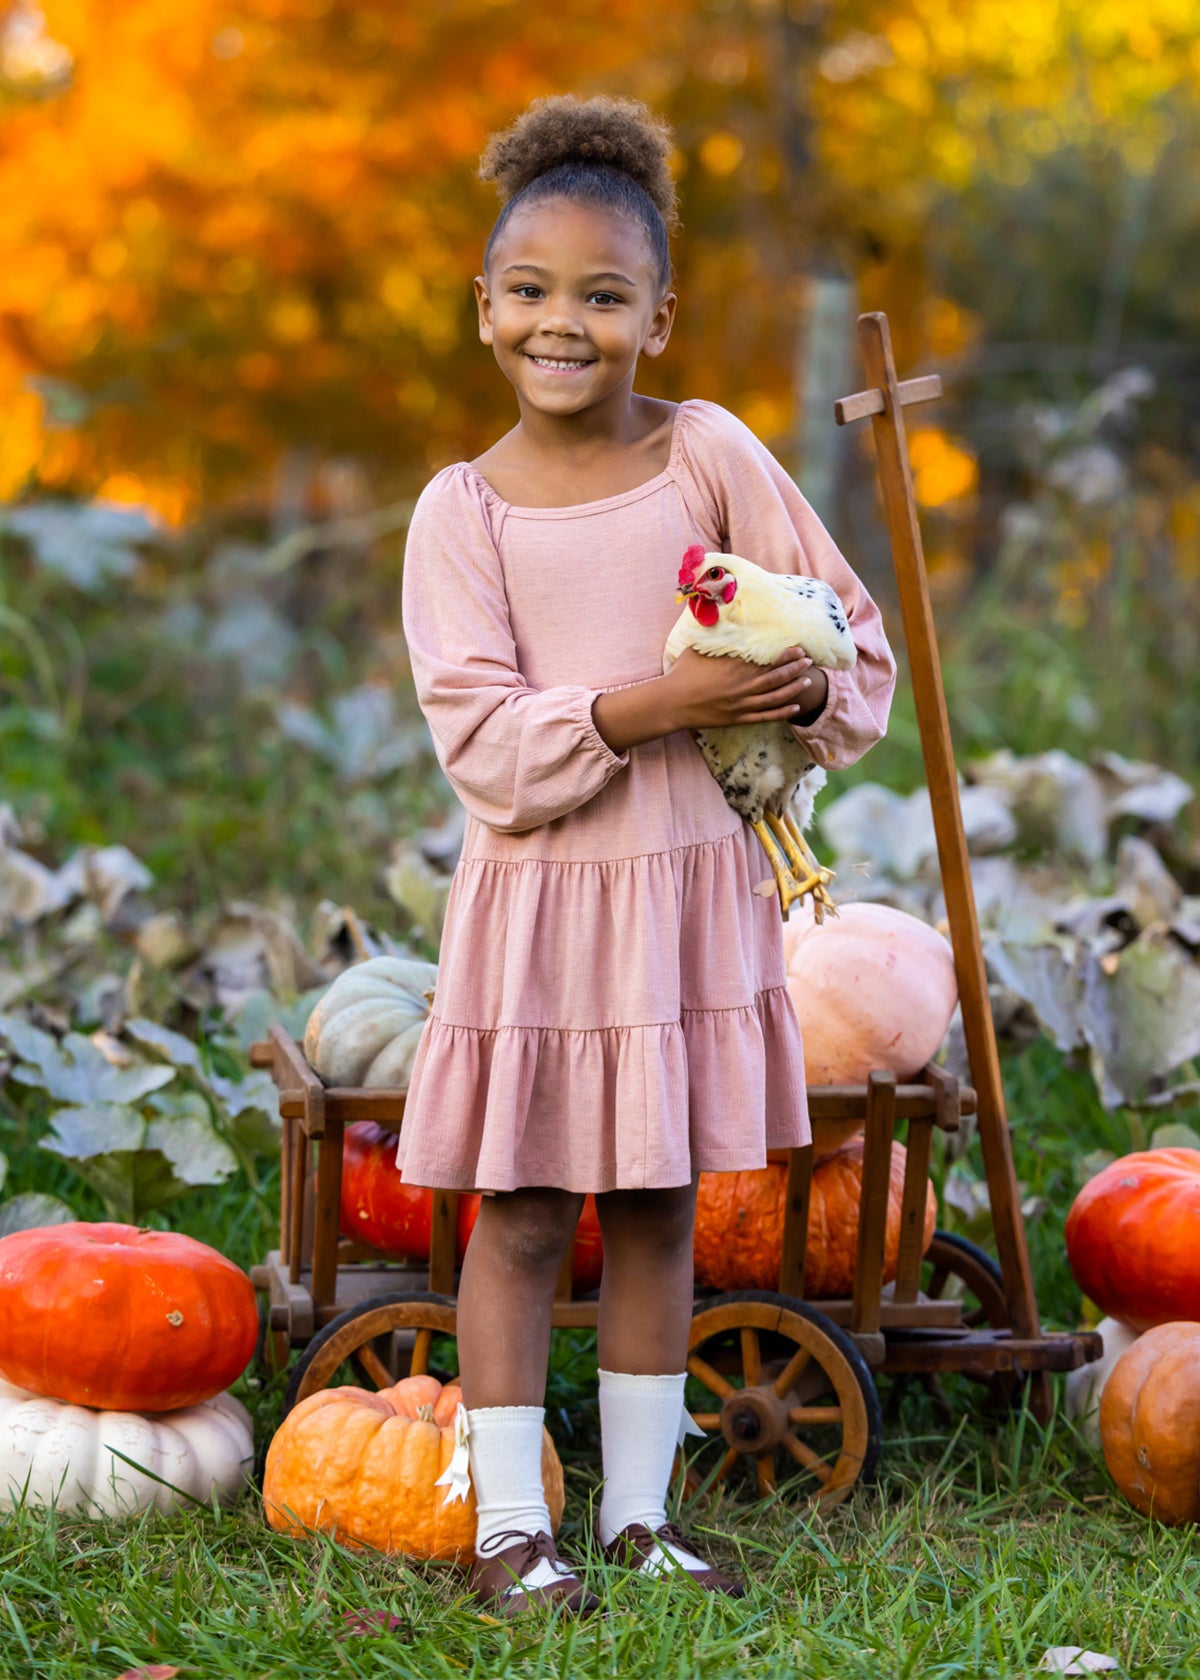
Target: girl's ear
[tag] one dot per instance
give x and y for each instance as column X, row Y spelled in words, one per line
column 485, row 309
column 659, row 330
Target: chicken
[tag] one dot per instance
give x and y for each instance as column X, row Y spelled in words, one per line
column 736, row 608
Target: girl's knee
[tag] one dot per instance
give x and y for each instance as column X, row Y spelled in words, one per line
column 655, row 1221
column 530, row 1231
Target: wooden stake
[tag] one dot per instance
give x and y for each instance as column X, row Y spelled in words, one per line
column 884, row 402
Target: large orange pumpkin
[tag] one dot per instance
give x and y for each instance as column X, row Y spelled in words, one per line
column 362, row 1467
column 874, row 990
column 739, row 1224
column 124, row 1320
column 378, row 1208
column 1150, row 1423
column 1133, row 1237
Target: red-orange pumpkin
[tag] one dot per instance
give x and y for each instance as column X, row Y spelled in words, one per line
column 1133, row 1237
column 1150, row 1423
column 379, row 1209
column 124, row 1320
column 739, row 1224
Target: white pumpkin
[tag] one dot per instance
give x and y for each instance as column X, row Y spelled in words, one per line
column 365, row 1029
column 67, row 1456
column 1085, row 1385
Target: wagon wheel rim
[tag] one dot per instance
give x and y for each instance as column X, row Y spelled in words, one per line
column 755, row 1411
column 353, row 1338
column 950, row 1256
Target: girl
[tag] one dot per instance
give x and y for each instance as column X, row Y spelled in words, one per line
column 611, row 1014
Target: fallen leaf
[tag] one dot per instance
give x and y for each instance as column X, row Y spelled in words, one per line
column 155, row 1671
column 1073, row 1659
column 360, row 1623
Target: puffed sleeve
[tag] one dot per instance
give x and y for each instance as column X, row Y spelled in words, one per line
column 762, row 516
column 516, row 756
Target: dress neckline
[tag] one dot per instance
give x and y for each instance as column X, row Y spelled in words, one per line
column 605, row 502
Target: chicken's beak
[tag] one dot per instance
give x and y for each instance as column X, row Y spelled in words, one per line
column 685, row 595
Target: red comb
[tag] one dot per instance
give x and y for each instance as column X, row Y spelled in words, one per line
column 693, row 560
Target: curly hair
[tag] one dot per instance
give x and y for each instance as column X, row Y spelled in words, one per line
column 611, row 152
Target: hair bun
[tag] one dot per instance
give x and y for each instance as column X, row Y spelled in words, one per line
column 622, row 133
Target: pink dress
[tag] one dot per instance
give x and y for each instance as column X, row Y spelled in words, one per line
column 611, row 1009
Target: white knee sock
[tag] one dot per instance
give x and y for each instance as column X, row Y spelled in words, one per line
column 505, row 1445
column 639, row 1431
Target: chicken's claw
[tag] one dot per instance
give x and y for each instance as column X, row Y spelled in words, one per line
column 797, row 872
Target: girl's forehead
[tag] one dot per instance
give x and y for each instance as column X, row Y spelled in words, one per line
column 564, row 235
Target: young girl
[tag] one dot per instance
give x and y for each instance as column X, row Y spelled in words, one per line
column 611, row 1014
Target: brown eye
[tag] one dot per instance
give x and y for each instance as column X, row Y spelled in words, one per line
column 715, row 572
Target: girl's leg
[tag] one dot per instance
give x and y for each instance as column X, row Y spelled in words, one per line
column 505, row 1298
column 645, row 1317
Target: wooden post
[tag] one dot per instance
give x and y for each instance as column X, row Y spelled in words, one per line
column 884, row 402
column 867, row 1306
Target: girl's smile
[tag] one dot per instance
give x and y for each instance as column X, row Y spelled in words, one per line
column 571, row 299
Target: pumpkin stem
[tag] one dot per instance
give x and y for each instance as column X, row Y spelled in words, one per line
column 425, row 1413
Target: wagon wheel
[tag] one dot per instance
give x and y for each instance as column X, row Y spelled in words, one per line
column 363, row 1339
column 955, row 1266
column 773, row 1377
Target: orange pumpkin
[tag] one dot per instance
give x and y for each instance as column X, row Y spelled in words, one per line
column 739, row 1224
column 1150, row 1423
column 121, row 1319
column 874, row 990
column 362, row 1466
column 1133, row 1237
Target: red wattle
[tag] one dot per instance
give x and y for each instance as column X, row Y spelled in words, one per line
column 704, row 611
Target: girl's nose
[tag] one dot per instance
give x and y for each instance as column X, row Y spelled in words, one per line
column 559, row 317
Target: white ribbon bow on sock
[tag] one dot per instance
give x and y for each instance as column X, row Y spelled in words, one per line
column 688, row 1427
column 457, row 1474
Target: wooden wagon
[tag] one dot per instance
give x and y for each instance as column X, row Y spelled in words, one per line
column 775, row 1380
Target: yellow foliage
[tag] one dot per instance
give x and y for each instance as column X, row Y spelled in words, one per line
column 943, row 470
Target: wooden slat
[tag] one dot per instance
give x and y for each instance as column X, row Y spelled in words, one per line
column 873, row 1203
column 938, row 752
column 864, row 403
column 921, row 1314
column 443, row 1241
column 326, row 1213
column 992, row 1350
column 912, row 1209
column 297, row 1197
column 297, row 1083
column 849, row 1102
column 795, row 1221
column 287, row 1144
column 384, row 1107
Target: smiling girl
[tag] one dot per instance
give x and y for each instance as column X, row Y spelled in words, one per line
column 611, row 1012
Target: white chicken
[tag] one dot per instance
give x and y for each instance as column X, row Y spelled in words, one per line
column 735, row 608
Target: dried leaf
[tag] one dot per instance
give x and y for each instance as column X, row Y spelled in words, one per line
column 1044, row 976
column 33, row 1208
column 365, row 1623
column 75, row 1071
column 155, row 1671
column 87, row 543
column 1142, row 1021
column 1073, row 1659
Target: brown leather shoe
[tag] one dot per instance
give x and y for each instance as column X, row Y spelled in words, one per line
column 496, row 1583
column 636, row 1543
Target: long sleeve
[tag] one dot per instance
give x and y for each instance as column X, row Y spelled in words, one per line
column 517, row 757
column 763, row 517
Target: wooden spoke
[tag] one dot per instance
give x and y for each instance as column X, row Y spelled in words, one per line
column 803, row 1454
column 369, row 1361
column 712, row 1380
column 422, row 1342
column 938, row 1280
column 789, row 1370
column 751, row 1356
column 815, row 1414
column 787, row 1377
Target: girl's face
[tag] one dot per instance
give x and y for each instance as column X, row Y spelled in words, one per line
column 570, row 301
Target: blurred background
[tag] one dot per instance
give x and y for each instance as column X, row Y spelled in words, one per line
column 237, row 335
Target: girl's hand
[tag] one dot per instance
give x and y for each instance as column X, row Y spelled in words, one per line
column 705, row 691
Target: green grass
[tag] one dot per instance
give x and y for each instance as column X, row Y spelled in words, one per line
column 978, row 1547
column 970, row 1557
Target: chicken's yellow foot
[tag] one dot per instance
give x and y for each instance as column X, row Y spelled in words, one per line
column 787, row 884
column 810, row 876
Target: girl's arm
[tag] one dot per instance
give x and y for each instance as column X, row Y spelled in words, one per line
column 764, row 517
column 516, row 757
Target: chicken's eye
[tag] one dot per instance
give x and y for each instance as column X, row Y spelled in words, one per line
column 715, row 572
